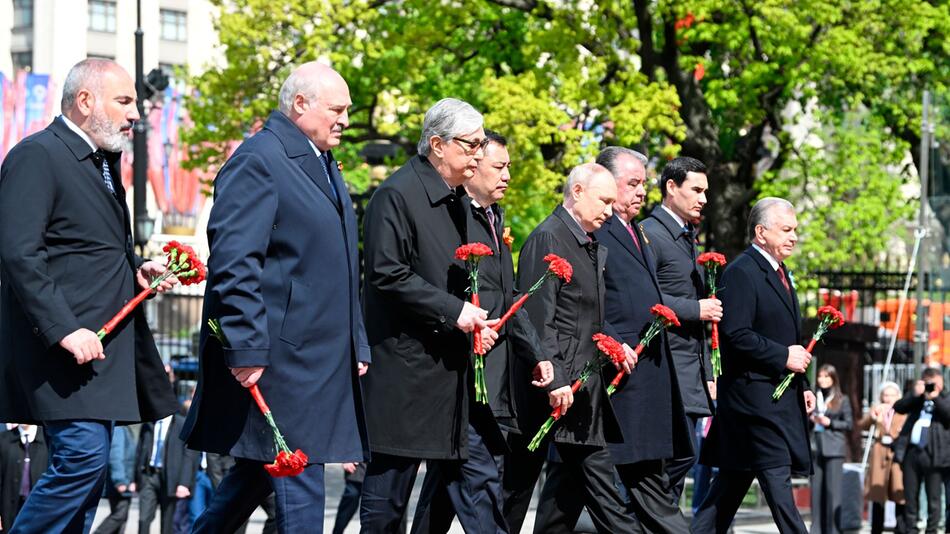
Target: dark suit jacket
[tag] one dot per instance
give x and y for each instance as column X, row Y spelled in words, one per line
column 682, row 282
column 517, row 339
column 760, row 321
column 179, row 464
column 832, row 442
column 283, row 280
column 11, row 470
column 66, row 262
column 418, row 392
column 937, row 448
column 647, row 403
column 566, row 316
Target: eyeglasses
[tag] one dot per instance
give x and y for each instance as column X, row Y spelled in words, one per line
column 471, row 146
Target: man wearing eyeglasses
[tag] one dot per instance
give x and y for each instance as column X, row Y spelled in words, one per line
column 419, row 402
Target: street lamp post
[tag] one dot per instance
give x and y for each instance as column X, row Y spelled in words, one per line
column 143, row 223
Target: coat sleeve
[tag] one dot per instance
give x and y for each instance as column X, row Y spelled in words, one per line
column 542, row 306
column 739, row 302
column 909, row 403
column 942, row 409
column 28, row 193
column 525, row 340
column 388, row 249
column 239, row 229
column 844, row 419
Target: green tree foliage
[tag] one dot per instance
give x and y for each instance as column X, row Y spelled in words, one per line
column 712, row 79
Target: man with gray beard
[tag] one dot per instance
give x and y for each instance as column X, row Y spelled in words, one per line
column 66, row 266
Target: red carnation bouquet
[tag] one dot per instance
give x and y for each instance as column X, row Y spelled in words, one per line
column 286, row 463
column 558, row 267
column 471, row 254
column 609, row 350
column 828, row 318
column 663, row 317
column 712, row 261
column 181, row 261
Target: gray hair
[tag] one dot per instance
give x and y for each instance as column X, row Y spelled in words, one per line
column 295, row 84
column 86, row 74
column 582, row 175
column 762, row 213
column 448, row 118
column 608, row 157
column 888, row 385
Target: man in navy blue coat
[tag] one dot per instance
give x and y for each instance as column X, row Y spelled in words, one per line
column 647, row 402
column 283, row 281
column 752, row 435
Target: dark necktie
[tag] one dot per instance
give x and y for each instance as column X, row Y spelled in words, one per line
column 325, row 163
column 99, row 158
column 633, row 235
column 490, row 213
column 690, row 240
column 25, row 481
column 781, row 275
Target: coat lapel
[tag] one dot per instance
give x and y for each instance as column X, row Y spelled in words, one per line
column 771, row 277
column 617, row 229
column 91, row 175
column 298, row 148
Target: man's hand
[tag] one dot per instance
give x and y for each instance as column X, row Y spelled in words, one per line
column 489, row 336
column 471, row 317
column 798, row 359
column 84, row 345
column 918, row 388
column 247, row 376
column 151, row 270
column 810, row 402
column 362, row 368
column 712, row 389
column 543, row 374
column 121, row 488
column 132, row 487
column 350, row 467
column 562, row 398
column 710, row 310
column 181, row 492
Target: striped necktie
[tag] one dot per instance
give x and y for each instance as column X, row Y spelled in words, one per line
column 103, row 164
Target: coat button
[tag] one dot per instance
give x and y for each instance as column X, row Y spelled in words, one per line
column 275, row 227
column 442, row 319
column 36, row 330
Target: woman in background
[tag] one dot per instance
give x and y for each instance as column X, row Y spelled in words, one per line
column 833, row 421
column 885, row 481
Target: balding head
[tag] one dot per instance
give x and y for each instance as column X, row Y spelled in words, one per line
column 316, row 98
column 99, row 98
column 589, row 194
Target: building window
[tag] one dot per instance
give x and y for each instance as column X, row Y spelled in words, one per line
column 22, row 60
column 102, row 16
column 22, row 14
column 173, row 25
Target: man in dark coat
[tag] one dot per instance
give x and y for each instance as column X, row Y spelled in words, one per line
column 566, row 316
column 23, row 459
column 164, row 471
column 283, row 281
column 517, row 343
column 419, row 403
column 752, row 435
column 647, row 402
column 66, row 267
column 670, row 232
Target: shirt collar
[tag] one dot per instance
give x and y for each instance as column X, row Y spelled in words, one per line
column 772, row 261
column 29, row 434
column 679, row 220
column 315, row 149
column 78, row 131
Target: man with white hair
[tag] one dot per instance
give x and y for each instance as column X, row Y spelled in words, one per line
column 752, row 435
column 66, row 267
column 283, row 281
column 419, row 399
column 566, row 316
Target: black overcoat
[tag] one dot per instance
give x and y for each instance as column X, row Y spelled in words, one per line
column 517, row 339
column 11, row 469
column 760, row 321
column 647, row 402
column 566, row 316
column 682, row 281
column 66, row 262
column 179, row 464
column 283, row 280
column 418, row 391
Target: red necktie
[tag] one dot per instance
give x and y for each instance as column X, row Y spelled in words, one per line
column 633, row 235
column 781, row 276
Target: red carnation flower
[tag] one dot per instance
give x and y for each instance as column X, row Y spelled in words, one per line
column 287, row 465
column 610, row 347
column 472, row 251
column 706, row 258
column 835, row 318
column 560, row 267
column 668, row 315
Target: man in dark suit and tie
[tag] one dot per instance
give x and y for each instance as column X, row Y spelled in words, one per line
column 419, row 397
column 517, row 344
column 283, row 280
column 164, row 472
column 66, row 267
column 647, row 402
column 566, row 316
column 752, row 435
column 682, row 281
